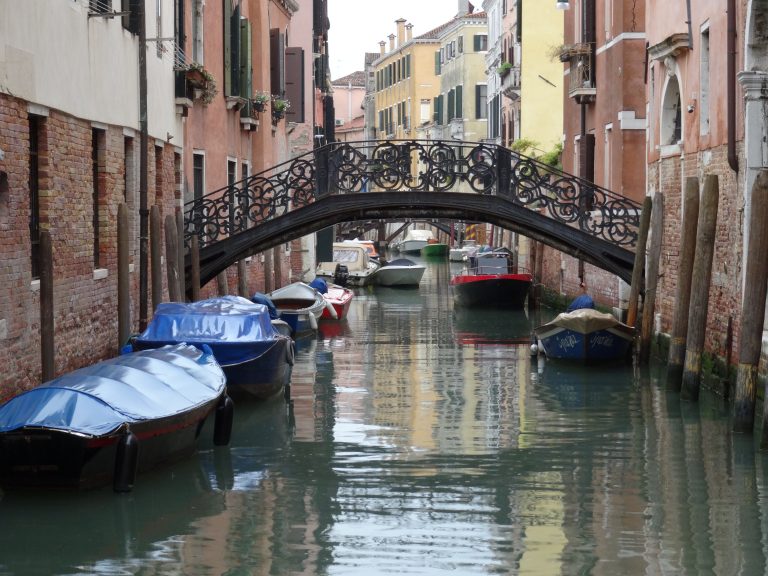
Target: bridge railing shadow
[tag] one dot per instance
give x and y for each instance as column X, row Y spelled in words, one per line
column 344, row 168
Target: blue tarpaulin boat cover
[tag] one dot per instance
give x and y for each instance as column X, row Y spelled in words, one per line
column 99, row 399
column 230, row 325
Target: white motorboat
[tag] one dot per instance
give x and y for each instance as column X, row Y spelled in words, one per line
column 399, row 272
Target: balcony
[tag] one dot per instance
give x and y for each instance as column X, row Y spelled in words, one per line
column 510, row 83
column 582, row 80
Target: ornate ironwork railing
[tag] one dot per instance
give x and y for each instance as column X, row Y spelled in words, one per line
column 413, row 165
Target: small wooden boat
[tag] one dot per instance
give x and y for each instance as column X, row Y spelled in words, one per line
column 585, row 335
column 337, row 299
column 257, row 357
column 490, row 281
column 354, row 259
column 399, row 272
column 108, row 421
column 300, row 305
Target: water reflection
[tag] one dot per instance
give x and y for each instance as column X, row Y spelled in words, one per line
column 425, row 440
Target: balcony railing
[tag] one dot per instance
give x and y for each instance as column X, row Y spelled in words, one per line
column 510, row 83
column 582, row 78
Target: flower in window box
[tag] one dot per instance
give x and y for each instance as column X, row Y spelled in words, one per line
column 279, row 107
column 202, row 82
column 260, row 100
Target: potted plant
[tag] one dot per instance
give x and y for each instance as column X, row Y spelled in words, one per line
column 279, row 107
column 260, row 100
column 202, row 82
column 504, row 68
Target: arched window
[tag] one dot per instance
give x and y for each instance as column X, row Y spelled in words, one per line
column 671, row 116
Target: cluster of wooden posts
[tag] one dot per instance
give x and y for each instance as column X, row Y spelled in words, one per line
column 692, row 296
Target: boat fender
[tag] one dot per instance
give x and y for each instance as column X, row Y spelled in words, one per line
column 222, row 425
column 313, row 321
column 331, row 310
column 126, row 462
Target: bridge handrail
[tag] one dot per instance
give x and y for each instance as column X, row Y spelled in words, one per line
column 413, row 165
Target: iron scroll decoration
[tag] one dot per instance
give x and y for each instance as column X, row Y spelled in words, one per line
column 417, row 166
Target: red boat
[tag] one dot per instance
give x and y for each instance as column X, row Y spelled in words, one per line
column 337, row 298
column 489, row 280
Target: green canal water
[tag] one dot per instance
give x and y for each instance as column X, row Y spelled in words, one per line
column 425, row 440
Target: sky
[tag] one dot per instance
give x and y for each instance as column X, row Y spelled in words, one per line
column 357, row 26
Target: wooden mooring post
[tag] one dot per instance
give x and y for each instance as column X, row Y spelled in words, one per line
column 123, row 276
column 652, row 277
column 637, row 269
column 242, row 278
column 180, row 248
column 171, row 258
column 753, row 303
column 679, row 333
column 702, row 272
column 47, row 325
column 194, row 267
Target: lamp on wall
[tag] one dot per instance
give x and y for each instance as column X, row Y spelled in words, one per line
column 563, row 5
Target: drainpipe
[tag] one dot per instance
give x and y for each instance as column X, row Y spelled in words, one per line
column 733, row 162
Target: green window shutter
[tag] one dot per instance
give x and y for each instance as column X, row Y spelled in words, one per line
column 437, row 62
column 246, row 64
column 451, row 103
column 408, row 66
column 459, row 103
column 227, row 88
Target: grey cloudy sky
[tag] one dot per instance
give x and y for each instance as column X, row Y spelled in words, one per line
column 357, row 26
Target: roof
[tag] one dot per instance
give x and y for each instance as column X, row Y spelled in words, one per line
column 356, row 79
column 436, row 32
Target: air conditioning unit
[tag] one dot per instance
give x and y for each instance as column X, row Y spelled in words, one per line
column 339, row 122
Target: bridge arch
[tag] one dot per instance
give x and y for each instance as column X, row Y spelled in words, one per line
column 345, row 182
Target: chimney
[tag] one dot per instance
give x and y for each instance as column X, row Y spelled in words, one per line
column 400, row 31
column 391, row 42
column 382, row 49
column 463, row 8
column 408, row 32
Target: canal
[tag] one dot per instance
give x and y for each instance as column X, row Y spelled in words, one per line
column 425, row 440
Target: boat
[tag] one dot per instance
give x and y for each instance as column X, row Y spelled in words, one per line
column 256, row 355
column 461, row 253
column 414, row 241
column 300, row 305
column 337, row 298
column 585, row 335
column 399, row 272
column 369, row 245
column 106, row 422
column 358, row 267
column 489, row 280
column 435, row 249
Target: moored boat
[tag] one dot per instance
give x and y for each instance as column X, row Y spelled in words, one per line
column 585, row 335
column 414, row 241
column 399, row 272
column 461, row 253
column 357, row 264
column 108, row 421
column 300, row 305
column 490, row 281
column 337, row 298
column 435, row 249
column 255, row 354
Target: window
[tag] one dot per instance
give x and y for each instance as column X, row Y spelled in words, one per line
column 481, row 42
column 704, row 81
column 277, row 61
column 424, row 112
column 459, row 105
column 481, row 101
column 671, row 118
column 197, row 31
column 198, row 175
column 451, row 104
column 461, row 44
column 35, row 125
column 437, row 63
column 131, row 20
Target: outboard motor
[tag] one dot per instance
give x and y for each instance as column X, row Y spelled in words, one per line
column 340, row 275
